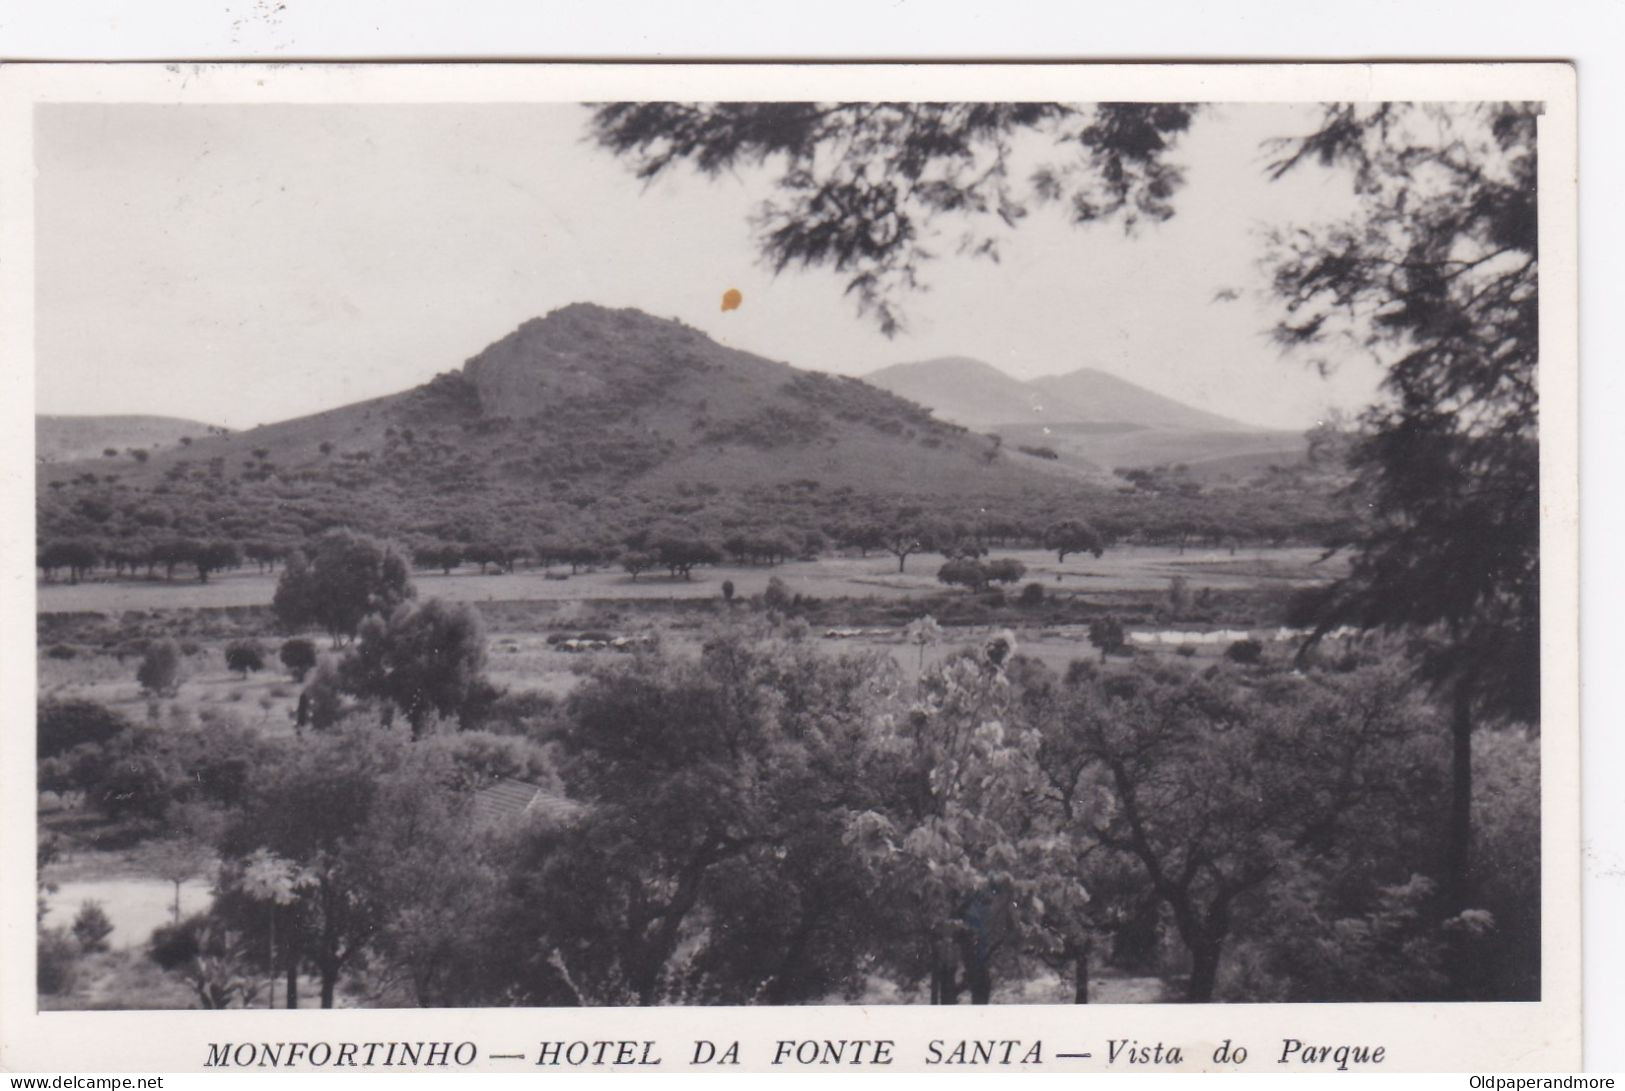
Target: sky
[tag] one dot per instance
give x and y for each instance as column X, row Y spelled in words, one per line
column 240, row 265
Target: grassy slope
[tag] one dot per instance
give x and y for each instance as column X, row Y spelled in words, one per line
column 70, row 438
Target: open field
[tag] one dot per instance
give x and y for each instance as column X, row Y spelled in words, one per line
column 1125, row 569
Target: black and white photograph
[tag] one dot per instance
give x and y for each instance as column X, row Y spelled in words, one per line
column 762, row 551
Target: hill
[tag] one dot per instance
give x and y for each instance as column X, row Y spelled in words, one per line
column 1090, row 422
column 68, row 438
column 1092, row 395
column 968, row 392
column 589, row 422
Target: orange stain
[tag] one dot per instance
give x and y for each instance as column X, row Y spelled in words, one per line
column 731, row 299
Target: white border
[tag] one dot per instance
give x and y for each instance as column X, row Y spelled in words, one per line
column 1418, row 1037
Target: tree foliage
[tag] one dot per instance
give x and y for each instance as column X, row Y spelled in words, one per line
column 865, row 189
column 342, row 580
column 1436, row 274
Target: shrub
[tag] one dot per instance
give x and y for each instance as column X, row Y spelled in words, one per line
column 965, row 573
column 1107, row 634
column 777, row 595
column 1248, row 651
column 299, row 656
column 160, row 670
column 244, row 656
column 60, row 651
column 1032, row 595
column 1006, row 570
column 57, row 969
column 1186, row 650
column 92, row 927
column 728, row 590
column 63, row 725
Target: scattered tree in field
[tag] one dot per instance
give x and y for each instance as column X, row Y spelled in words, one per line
column 681, row 554
column 76, row 556
column 903, row 541
column 1107, row 634
column 1073, row 536
column 427, row 659
column 1005, row 570
column 776, row 596
column 160, row 670
column 263, row 554
column 636, row 563
column 298, row 655
column 244, row 656
column 213, row 557
column 964, row 573
column 344, row 578
column 727, row 590
column 1032, row 595
column 444, row 557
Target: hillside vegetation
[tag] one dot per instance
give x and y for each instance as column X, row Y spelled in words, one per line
column 590, row 425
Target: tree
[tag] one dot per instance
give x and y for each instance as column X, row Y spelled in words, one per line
column 1073, row 536
column 299, row 656
column 680, row 554
column 244, row 656
column 1209, row 791
column 160, row 669
column 444, row 557
column 966, row 573
column 1005, row 570
column 344, row 578
column 710, row 860
column 956, row 852
column 213, row 557
column 78, row 557
column 1435, row 274
column 903, row 540
column 1106, row 634
column 636, row 563
column 427, row 659
column 864, row 187
column 331, row 807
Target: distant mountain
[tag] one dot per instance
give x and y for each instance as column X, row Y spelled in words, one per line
column 592, row 419
column 1089, row 421
column 967, row 392
column 65, row 438
column 1095, row 396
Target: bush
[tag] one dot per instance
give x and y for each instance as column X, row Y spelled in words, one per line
column 299, row 656
column 160, row 670
column 1006, row 570
column 965, row 573
column 63, row 725
column 92, row 927
column 1032, row 595
column 777, row 595
column 1186, row 650
column 244, row 656
column 57, row 969
column 60, row 651
column 1249, row 651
